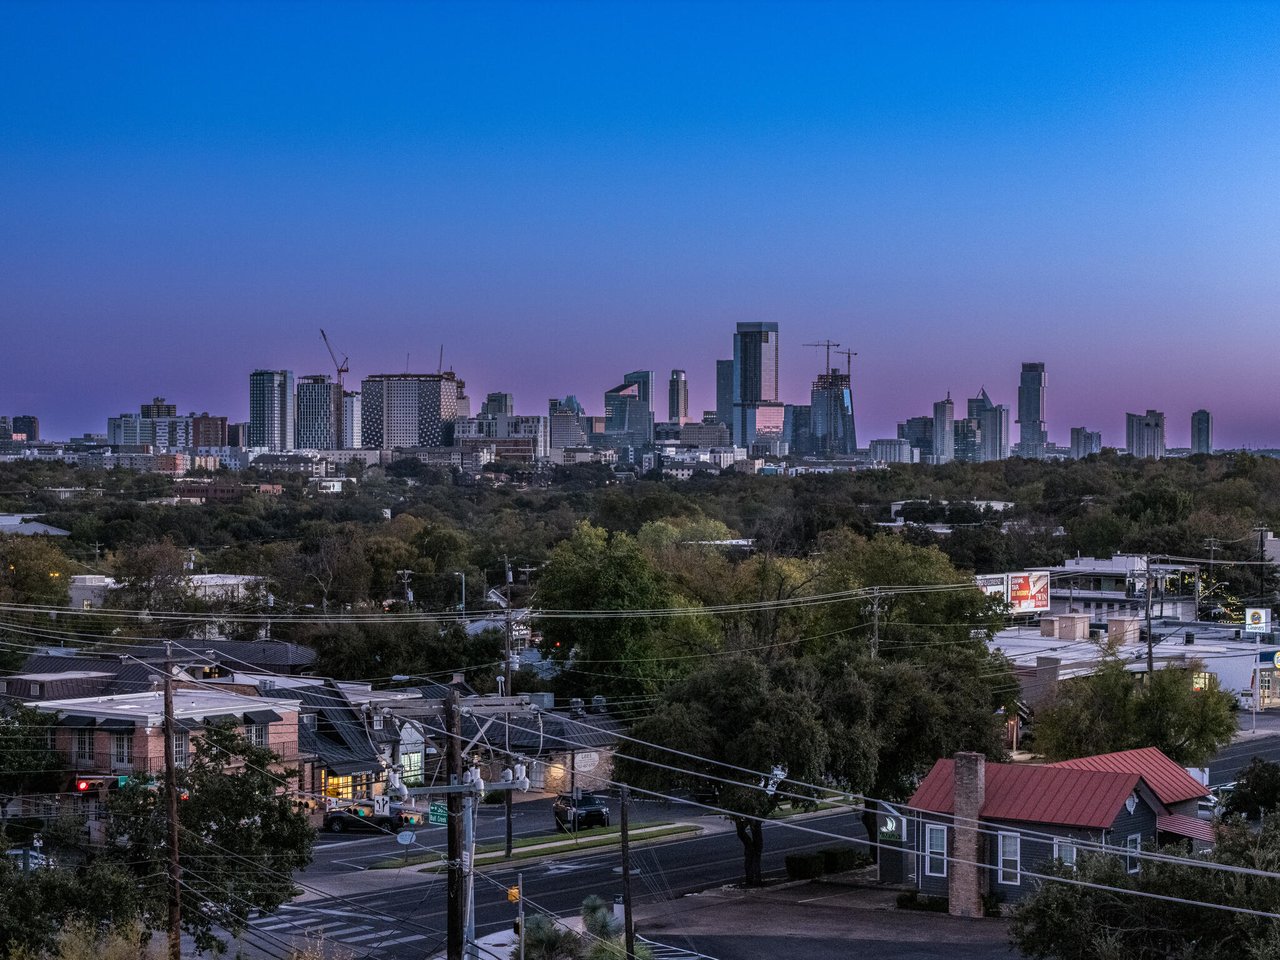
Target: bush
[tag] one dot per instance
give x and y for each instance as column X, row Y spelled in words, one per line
column 911, row 900
column 805, row 866
column 843, row 859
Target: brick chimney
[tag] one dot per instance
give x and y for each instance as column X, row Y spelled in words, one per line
column 966, row 879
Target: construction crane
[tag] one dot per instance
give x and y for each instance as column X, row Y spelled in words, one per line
column 848, row 365
column 828, row 344
column 342, row 367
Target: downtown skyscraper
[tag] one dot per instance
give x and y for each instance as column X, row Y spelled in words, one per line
column 272, row 410
column 758, row 415
column 1033, row 438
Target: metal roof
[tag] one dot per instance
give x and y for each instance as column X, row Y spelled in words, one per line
column 1034, row 794
column 1192, row 827
column 1170, row 782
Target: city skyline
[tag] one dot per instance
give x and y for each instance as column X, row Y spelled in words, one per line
column 557, row 194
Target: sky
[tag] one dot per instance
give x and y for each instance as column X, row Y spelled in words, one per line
column 559, row 193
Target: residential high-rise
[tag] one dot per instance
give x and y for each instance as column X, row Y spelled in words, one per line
column 944, row 437
column 1085, row 443
column 352, row 428
column 831, row 413
column 892, row 451
column 1202, row 432
column 319, row 414
column 410, row 409
column 208, row 432
column 993, row 426
column 498, row 404
column 565, row 425
column 1144, row 434
column 1033, row 438
column 797, row 427
column 27, row 425
column 678, row 398
column 272, row 410
column 967, row 435
column 158, row 408
column 724, row 393
column 757, row 413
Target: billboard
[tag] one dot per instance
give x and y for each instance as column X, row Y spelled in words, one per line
column 1029, row 592
column 994, row 585
column 1257, row 620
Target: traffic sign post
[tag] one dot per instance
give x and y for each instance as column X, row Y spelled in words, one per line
column 438, row 813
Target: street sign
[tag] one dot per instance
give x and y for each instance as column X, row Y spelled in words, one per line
column 406, row 837
column 1257, row 620
column 438, row 813
column 382, row 806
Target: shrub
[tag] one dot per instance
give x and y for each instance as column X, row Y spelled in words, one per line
column 842, row 859
column 805, row 866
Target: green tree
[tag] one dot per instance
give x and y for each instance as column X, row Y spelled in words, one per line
column 241, row 837
column 1257, row 791
column 28, row 762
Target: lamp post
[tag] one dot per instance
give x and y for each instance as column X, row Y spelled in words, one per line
column 463, row 605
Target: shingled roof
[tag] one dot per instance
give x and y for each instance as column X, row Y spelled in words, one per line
column 1024, row 793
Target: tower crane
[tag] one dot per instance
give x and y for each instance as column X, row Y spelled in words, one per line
column 342, row 367
column 848, row 365
column 828, row 344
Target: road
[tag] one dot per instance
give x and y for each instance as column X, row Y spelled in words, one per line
column 406, row 920
column 1226, row 766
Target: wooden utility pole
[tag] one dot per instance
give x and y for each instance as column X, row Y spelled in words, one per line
column 1151, row 654
column 507, row 692
column 628, row 924
column 171, row 796
column 457, row 891
column 875, row 628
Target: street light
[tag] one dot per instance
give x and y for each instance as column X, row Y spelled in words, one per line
column 463, row 605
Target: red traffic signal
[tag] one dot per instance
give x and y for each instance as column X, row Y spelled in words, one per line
column 83, row 786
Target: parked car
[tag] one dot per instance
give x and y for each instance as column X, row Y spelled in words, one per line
column 27, row 859
column 587, row 811
column 360, row 816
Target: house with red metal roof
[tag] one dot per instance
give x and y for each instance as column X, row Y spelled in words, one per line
column 975, row 830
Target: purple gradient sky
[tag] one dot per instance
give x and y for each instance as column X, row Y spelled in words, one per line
column 560, row 193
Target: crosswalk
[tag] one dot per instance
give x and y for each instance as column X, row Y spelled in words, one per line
column 371, row 935
column 662, row 951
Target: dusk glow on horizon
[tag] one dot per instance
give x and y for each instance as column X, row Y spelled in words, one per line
column 559, row 193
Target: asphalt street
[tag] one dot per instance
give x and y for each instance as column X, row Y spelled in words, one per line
column 1226, row 766
column 404, row 917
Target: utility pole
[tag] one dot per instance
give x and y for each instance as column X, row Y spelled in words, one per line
column 405, row 576
column 469, row 876
column 520, row 911
column 1151, row 655
column 507, row 692
column 171, row 796
column 875, row 620
column 628, row 924
column 1262, row 566
column 457, row 889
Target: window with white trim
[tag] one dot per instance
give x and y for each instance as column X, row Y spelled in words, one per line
column 1065, row 851
column 84, row 746
column 181, row 748
column 1132, row 844
column 256, row 733
column 122, row 749
column 935, row 850
column 1010, row 858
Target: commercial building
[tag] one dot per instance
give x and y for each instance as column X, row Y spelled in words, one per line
column 918, row 432
column 272, row 410
column 678, row 397
column 724, row 393
column 1144, row 434
column 524, row 438
column 1202, row 432
column 944, row 440
column 1084, row 443
column 498, row 404
column 992, row 421
column 893, row 451
column 352, row 429
column 411, row 409
column 565, row 426
column 831, row 415
column 28, row 426
column 1033, row 438
column 758, row 415
column 628, row 413
column 319, row 414
column 159, row 408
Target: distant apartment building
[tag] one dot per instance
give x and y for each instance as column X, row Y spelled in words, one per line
column 411, row 409
column 28, row 426
column 918, row 432
column 208, row 431
column 1085, row 442
column 159, row 408
column 352, row 432
column 678, row 397
column 893, row 451
column 724, row 393
column 1202, row 432
column 1033, row 437
column 1144, row 434
column 272, row 410
column 523, row 438
column 498, row 404
column 565, row 424
column 967, row 434
column 797, row 429
column 238, row 434
column 319, row 414
column 944, row 439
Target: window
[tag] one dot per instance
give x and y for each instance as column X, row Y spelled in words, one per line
column 1132, row 843
column 1065, row 851
column 411, row 766
column 256, row 733
column 935, row 850
column 84, row 746
column 35, row 688
column 181, row 748
column 122, row 749
column 377, row 721
column 1010, row 858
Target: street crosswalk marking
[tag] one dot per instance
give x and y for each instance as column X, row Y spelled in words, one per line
column 336, row 926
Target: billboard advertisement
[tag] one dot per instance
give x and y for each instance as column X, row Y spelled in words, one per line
column 1029, row 592
column 1257, row 620
column 994, row 585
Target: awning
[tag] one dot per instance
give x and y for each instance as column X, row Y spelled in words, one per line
column 1182, row 826
column 121, row 723
column 261, row 716
column 348, row 767
column 75, row 720
column 220, row 718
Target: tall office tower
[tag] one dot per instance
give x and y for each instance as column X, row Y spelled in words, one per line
column 678, row 398
column 1084, row 442
column 565, row 425
column 158, row 408
column 628, row 416
column 1032, row 435
column 238, row 434
column 797, row 427
column 6, row 428
column 1144, row 434
column 643, row 379
column 831, row 415
column 967, row 435
column 918, row 432
column 207, row 431
column 27, row 425
column 410, row 409
column 993, row 423
column 1202, row 432
column 352, row 429
column 755, row 385
column 319, row 417
column 498, row 404
column 944, row 436
column 271, row 410
column 724, row 393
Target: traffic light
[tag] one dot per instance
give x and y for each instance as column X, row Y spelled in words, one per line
column 88, row 785
column 513, row 894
